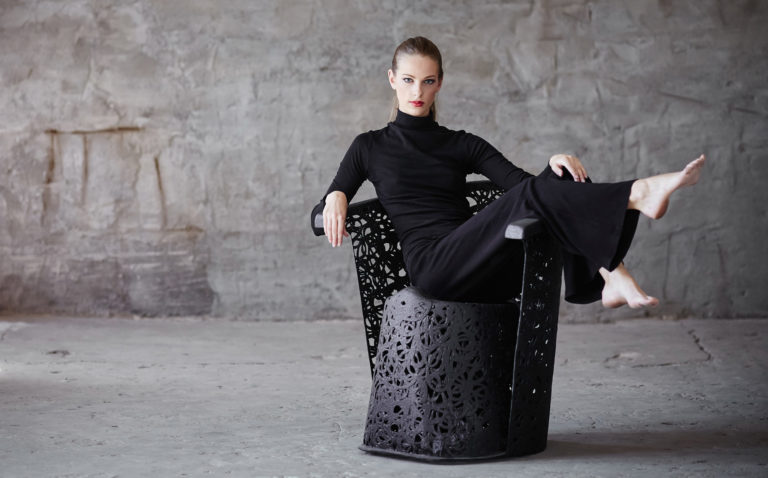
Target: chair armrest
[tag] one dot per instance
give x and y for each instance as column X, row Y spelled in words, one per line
column 524, row 228
column 317, row 225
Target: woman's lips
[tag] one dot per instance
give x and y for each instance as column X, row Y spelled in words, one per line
column 417, row 104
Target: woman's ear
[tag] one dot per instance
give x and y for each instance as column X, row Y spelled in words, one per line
column 391, row 75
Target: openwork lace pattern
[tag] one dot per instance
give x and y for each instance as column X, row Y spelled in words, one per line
column 443, row 378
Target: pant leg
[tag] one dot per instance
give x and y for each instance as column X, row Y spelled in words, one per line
column 592, row 223
column 475, row 262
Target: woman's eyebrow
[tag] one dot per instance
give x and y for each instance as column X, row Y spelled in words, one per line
column 414, row 76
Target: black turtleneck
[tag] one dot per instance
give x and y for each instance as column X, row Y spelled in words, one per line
column 419, row 169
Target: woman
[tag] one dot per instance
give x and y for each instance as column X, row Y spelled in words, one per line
column 419, row 169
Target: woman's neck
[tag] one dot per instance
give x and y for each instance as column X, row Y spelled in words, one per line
column 414, row 122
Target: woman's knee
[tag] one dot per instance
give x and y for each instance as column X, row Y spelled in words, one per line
column 430, row 285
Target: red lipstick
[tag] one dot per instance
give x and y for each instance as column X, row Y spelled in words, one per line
column 417, row 104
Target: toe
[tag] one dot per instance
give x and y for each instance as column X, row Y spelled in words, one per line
column 650, row 301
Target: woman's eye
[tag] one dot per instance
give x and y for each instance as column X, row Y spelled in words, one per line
column 407, row 80
column 429, row 82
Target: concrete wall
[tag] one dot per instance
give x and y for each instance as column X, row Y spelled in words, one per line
column 161, row 157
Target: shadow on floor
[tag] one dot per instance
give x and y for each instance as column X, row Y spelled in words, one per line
column 605, row 444
column 597, row 443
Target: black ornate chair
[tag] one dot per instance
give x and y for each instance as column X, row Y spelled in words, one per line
column 453, row 380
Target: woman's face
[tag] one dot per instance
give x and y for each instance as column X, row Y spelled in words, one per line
column 416, row 83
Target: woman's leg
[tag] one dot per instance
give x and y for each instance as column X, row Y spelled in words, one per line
column 622, row 289
column 651, row 195
column 595, row 224
column 590, row 221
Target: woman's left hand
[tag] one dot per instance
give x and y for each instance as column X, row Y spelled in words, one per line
column 571, row 163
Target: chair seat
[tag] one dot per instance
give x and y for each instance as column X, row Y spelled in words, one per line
column 443, row 378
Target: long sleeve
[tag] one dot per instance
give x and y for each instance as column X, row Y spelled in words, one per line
column 352, row 171
column 488, row 161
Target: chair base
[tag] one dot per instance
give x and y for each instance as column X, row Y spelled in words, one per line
column 442, row 381
column 430, row 458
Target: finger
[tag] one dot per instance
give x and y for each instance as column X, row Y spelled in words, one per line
column 336, row 233
column 581, row 174
column 572, row 164
column 331, row 230
column 573, row 172
column 580, row 171
column 557, row 169
column 339, row 229
column 327, row 226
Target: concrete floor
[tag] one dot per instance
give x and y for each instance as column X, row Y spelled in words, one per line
column 191, row 397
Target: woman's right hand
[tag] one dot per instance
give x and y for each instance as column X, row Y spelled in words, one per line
column 571, row 163
column 335, row 217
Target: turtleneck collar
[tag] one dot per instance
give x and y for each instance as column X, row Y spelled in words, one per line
column 404, row 120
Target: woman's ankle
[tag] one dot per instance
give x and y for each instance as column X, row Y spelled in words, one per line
column 637, row 192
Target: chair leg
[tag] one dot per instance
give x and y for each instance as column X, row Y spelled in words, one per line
column 535, row 349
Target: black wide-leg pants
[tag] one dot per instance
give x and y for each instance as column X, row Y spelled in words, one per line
column 476, row 263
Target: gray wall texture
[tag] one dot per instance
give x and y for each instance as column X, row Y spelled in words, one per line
column 162, row 157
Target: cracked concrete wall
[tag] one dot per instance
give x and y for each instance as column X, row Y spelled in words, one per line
column 161, row 158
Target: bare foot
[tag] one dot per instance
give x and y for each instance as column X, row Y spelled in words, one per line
column 651, row 195
column 621, row 288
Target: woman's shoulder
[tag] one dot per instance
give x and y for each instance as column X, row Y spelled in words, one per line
column 370, row 139
column 371, row 135
column 468, row 135
column 463, row 136
column 365, row 139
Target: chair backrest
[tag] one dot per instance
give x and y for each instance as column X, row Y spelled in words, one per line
column 379, row 259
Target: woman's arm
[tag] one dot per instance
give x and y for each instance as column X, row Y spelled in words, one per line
column 488, row 161
column 352, row 171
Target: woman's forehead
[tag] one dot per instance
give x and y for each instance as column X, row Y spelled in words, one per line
column 416, row 65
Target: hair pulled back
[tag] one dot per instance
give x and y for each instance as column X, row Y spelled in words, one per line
column 418, row 46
